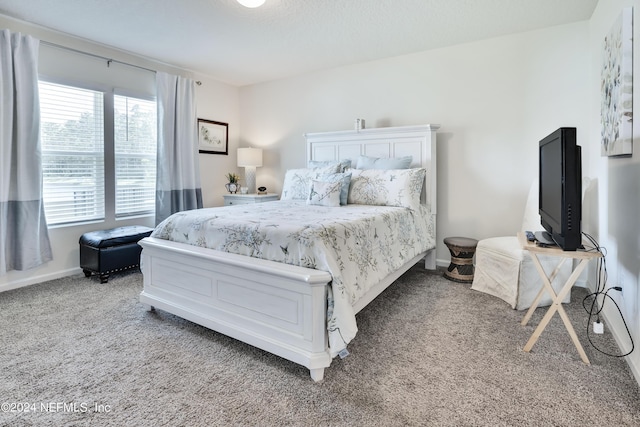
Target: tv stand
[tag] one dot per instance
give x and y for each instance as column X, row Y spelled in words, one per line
column 556, row 305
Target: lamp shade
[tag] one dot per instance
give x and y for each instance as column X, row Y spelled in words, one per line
column 250, row 157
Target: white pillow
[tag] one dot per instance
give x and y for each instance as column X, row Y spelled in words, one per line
column 387, row 187
column 324, row 193
column 366, row 162
column 297, row 181
column 344, row 178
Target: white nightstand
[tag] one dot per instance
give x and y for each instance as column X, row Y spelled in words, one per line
column 246, row 199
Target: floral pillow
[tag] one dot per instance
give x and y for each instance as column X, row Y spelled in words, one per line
column 343, row 165
column 387, row 187
column 297, row 181
column 324, row 193
column 344, row 178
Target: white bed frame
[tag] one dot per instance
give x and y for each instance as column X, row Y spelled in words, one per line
column 277, row 307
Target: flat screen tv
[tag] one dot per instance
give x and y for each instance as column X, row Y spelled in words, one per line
column 560, row 197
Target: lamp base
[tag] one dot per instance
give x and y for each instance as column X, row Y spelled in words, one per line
column 250, row 178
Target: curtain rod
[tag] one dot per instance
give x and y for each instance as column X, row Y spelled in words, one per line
column 109, row 60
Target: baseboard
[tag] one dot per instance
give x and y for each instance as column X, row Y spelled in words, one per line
column 612, row 320
column 40, row 278
column 442, row 263
column 613, row 323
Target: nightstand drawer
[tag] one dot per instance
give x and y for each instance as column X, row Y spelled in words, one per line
column 247, row 199
column 237, row 201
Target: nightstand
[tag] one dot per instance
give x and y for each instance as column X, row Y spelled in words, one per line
column 246, row 199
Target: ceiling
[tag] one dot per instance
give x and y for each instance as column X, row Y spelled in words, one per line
column 242, row 46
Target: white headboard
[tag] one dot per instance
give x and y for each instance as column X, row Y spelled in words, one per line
column 416, row 141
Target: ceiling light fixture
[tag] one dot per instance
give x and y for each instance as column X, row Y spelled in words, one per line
column 251, row 3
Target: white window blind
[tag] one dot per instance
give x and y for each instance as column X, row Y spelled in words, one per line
column 135, row 155
column 72, row 133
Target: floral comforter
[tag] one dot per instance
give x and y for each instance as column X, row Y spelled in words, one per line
column 357, row 244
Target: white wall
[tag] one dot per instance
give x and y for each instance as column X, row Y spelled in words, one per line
column 618, row 191
column 216, row 101
column 495, row 99
column 219, row 102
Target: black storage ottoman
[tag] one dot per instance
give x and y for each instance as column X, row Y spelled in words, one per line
column 108, row 251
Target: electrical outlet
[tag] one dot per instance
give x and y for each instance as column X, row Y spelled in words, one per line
column 598, row 327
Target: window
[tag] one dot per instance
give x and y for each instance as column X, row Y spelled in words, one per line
column 72, row 133
column 76, row 150
column 135, row 155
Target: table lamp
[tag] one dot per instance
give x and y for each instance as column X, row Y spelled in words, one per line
column 250, row 159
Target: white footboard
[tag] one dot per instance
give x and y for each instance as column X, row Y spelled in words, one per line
column 277, row 307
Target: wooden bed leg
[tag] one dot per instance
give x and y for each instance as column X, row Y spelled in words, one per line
column 317, row 374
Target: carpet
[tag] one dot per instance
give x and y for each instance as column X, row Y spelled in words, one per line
column 428, row 352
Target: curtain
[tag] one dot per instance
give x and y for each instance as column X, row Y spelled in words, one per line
column 24, row 238
column 178, row 172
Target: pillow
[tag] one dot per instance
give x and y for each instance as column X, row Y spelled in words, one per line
column 365, row 162
column 343, row 165
column 389, row 187
column 344, row 178
column 297, row 181
column 324, row 193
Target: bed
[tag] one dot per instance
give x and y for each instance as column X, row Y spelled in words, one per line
column 294, row 300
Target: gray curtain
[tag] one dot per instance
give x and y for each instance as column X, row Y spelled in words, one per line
column 24, row 238
column 178, row 172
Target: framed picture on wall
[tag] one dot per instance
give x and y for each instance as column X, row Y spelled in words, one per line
column 617, row 88
column 213, row 137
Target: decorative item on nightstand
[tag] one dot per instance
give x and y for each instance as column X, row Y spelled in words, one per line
column 250, row 159
column 234, row 183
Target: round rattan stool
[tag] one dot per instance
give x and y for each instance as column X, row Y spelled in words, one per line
column 462, row 250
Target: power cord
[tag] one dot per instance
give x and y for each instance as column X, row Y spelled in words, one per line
column 601, row 282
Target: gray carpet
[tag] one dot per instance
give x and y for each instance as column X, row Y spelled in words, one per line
column 429, row 352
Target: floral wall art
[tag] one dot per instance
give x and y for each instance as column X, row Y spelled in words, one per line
column 213, row 137
column 617, row 87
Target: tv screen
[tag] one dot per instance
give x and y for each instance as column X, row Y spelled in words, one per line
column 560, row 197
